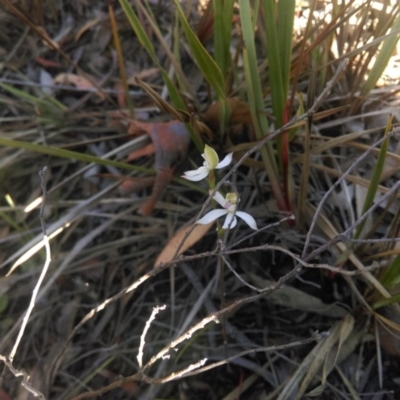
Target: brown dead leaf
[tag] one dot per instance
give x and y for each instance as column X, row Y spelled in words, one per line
column 72, row 79
column 239, row 114
column 169, row 250
column 78, row 81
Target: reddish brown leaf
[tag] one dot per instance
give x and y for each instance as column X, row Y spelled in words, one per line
column 163, row 177
column 170, row 142
column 130, row 185
column 144, row 151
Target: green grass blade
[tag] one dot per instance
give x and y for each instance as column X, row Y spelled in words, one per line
column 382, row 58
column 255, row 97
column 253, row 83
column 278, row 21
column 274, row 62
column 285, row 22
column 392, row 273
column 148, row 46
column 385, row 302
column 140, row 32
column 72, row 155
column 41, row 103
column 223, row 12
column 376, row 175
column 205, row 62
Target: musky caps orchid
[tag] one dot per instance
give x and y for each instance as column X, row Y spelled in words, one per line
column 211, row 162
column 229, row 204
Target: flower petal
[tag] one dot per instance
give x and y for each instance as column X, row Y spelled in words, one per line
column 211, row 216
column 219, row 199
column 227, row 224
column 195, row 171
column 226, row 161
column 196, row 175
column 250, row 221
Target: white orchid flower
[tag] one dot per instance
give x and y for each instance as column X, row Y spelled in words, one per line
column 211, row 161
column 229, row 204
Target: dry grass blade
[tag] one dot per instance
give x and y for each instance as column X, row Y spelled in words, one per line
column 311, row 365
column 376, row 176
column 34, row 245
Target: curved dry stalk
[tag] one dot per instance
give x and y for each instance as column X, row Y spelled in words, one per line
column 9, row 361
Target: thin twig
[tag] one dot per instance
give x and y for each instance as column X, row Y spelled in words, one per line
column 238, row 276
column 25, row 378
column 42, row 174
column 264, row 228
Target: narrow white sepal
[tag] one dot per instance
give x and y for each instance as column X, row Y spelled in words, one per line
column 250, row 221
column 226, row 161
column 211, row 216
column 219, row 199
column 196, row 175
